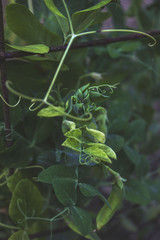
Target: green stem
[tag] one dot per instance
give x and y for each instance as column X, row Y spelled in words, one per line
column 58, row 69
column 69, row 18
column 121, row 30
column 30, row 6
column 9, row 226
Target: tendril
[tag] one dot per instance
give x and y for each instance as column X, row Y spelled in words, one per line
column 9, row 105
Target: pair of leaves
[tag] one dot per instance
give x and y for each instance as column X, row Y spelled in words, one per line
column 64, row 182
column 81, row 19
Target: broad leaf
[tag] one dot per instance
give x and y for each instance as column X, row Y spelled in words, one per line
column 51, row 112
column 154, row 189
column 90, row 191
column 94, row 135
column 105, row 213
column 97, row 153
column 26, row 198
column 65, row 190
column 82, row 220
column 137, row 192
column 56, row 171
column 75, row 133
column 19, row 235
column 72, row 143
column 25, row 25
column 114, row 141
column 135, row 131
column 36, row 48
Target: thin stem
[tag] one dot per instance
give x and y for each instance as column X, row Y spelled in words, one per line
column 30, row 6
column 69, row 17
column 9, row 226
column 58, row 69
column 121, row 30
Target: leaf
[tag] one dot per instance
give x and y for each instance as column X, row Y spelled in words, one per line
column 19, row 235
column 132, row 155
column 65, row 190
column 114, row 141
column 90, row 191
column 25, row 25
column 143, row 167
column 135, row 131
column 72, row 143
column 105, row 148
column 82, row 220
column 97, row 153
column 136, row 191
column 105, row 213
column 62, row 20
column 51, row 112
column 36, row 48
column 94, row 135
column 59, row 171
column 68, row 126
column 26, row 196
column 75, row 133
column 95, row 7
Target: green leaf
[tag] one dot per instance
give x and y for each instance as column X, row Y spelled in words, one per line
column 86, row 19
column 53, row 8
column 62, row 20
column 25, row 25
column 143, row 167
column 51, row 112
column 72, row 143
column 59, row 171
column 75, row 133
column 13, row 180
column 65, row 190
column 68, row 126
column 36, row 48
column 26, row 197
column 90, row 16
column 110, row 153
column 132, row 155
column 137, row 191
column 105, row 213
column 94, row 135
column 114, row 141
column 97, row 153
column 19, row 235
column 82, row 220
column 90, row 191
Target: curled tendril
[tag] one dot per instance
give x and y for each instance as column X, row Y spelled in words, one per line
column 36, row 108
column 9, row 105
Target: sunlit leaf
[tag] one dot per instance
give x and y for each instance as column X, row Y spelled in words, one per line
column 36, row 48
column 51, row 112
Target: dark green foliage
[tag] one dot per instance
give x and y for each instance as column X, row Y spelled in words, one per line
column 94, row 139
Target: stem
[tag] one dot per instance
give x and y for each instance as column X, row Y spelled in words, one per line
column 8, row 226
column 58, row 69
column 69, row 18
column 30, row 6
column 92, row 43
column 121, row 30
column 3, row 71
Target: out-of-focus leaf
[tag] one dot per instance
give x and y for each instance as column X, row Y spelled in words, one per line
column 132, row 155
column 19, row 235
column 137, row 191
column 154, row 189
column 114, row 141
column 26, row 197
